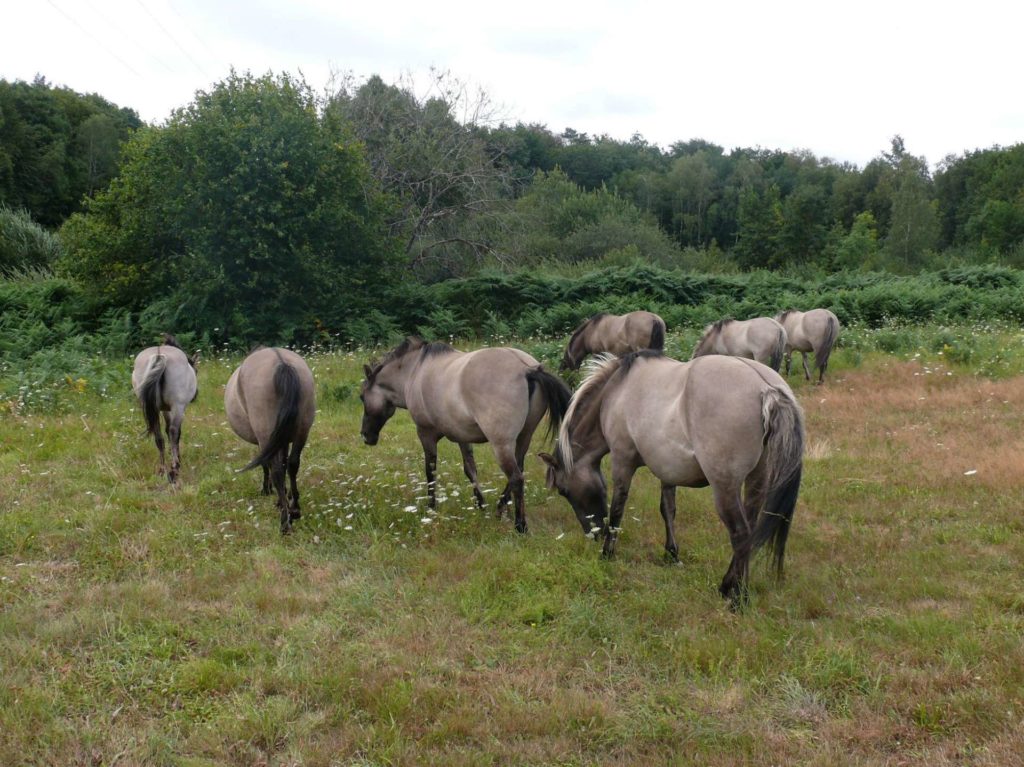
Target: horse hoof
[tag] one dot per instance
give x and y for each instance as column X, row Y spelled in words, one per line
column 521, row 529
column 295, row 514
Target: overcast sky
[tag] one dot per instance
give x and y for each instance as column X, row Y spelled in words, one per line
column 836, row 78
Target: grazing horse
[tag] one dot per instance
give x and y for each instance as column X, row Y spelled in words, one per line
column 721, row 421
column 270, row 401
column 495, row 395
column 815, row 331
column 616, row 334
column 762, row 339
column 164, row 379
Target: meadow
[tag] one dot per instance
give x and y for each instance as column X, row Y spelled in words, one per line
column 143, row 625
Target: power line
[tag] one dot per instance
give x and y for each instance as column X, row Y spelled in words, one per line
column 173, row 39
column 120, row 31
column 95, row 39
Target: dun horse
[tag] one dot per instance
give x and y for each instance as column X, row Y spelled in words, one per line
column 496, row 395
column 616, row 334
column 762, row 339
column 164, row 379
column 815, row 331
column 720, row 421
column 271, row 402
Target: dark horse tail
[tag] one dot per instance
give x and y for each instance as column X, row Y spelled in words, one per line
column 556, row 396
column 149, row 392
column 657, row 335
column 289, row 394
column 784, row 448
column 778, row 351
column 824, row 351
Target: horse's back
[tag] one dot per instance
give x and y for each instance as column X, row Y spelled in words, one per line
column 472, row 396
column 697, row 421
column 178, row 384
column 251, row 399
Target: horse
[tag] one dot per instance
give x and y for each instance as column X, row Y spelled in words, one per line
column 814, row 331
column 164, row 379
column 762, row 339
column 496, row 395
column 270, row 401
column 614, row 333
column 727, row 422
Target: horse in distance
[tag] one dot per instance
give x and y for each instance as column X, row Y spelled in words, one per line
column 815, row 331
column 164, row 380
column 614, row 333
column 762, row 339
column 496, row 395
column 270, row 401
column 727, row 422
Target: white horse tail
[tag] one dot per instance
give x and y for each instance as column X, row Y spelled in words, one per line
column 784, row 446
column 150, row 394
column 779, row 350
column 824, row 350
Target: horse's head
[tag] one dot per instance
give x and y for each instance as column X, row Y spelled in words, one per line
column 378, row 405
column 583, row 486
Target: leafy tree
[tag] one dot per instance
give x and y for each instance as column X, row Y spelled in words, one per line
column 859, row 248
column 432, row 155
column 249, row 216
column 56, row 146
column 914, row 227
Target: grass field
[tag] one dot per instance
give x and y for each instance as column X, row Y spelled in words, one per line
column 144, row 626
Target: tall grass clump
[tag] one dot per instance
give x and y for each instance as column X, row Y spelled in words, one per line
column 24, row 244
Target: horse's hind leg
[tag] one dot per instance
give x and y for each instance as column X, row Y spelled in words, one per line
column 158, row 437
column 469, row 467
column 277, row 467
column 507, row 461
column 172, row 420
column 522, row 446
column 266, row 480
column 732, row 513
column 294, row 457
column 668, row 513
column 788, row 359
column 807, row 370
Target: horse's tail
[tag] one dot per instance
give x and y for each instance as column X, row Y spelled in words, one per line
column 779, row 350
column 657, row 334
column 784, row 448
column 150, row 395
column 556, row 396
column 824, row 350
column 288, row 388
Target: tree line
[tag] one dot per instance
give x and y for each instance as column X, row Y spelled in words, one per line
column 264, row 210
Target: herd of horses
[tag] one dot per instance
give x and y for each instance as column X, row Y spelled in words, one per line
column 725, row 419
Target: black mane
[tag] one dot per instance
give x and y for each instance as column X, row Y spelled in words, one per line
column 412, row 344
column 585, row 323
column 170, row 340
column 782, row 315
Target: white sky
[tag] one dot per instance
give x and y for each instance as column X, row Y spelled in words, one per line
column 836, row 78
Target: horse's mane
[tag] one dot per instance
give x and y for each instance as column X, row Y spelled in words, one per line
column 412, row 344
column 717, row 326
column 584, row 325
column 599, row 371
column 170, row 340
column 782, row 315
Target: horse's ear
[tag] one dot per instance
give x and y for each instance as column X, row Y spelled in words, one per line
column 549, row 478
column 368, row 371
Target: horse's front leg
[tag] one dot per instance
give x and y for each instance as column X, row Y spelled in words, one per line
column 429, row 441
column 668, row 513
column 469, row 467
column 622, row 478
column 788, row 359
column 807, row 370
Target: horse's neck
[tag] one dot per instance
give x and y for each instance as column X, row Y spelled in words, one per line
column 396, row 378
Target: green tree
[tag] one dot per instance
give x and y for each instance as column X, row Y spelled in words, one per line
column 250, row 213
column 914, row 225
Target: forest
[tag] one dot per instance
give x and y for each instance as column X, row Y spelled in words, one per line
column 266, row 211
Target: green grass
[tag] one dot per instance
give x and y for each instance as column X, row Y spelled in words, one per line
column 144, row 626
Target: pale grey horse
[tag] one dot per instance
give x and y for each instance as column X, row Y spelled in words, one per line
column 726, row 422
column 270, row 401
column 495, row 395
column 815, row 331
column 164, row 380
column 616, row 334
column 762, row 339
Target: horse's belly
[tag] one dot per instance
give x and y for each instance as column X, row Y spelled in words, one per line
column 673, row 462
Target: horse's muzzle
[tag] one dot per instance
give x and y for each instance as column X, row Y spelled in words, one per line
column 370, row 439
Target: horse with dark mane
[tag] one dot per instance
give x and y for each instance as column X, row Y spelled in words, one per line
column 164, row 380
column 615, row 334
column 495, row 395
column 270, row 402
column 727, row 422
column 815, row 331
column 762, row 339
